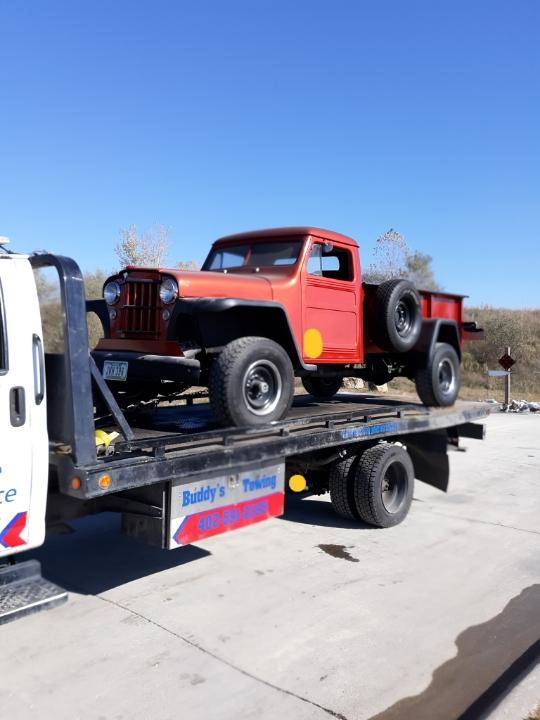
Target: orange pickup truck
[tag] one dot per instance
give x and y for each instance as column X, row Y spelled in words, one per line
column 266, row 306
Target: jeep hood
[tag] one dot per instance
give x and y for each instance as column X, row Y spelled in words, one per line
column 194, row 284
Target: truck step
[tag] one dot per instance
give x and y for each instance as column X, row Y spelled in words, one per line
column 24, row 591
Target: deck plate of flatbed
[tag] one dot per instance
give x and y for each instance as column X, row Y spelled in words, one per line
column 183, row 441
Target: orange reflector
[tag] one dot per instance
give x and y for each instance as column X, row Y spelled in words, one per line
column 297, row 483
column 104, row 482
column 75, row 483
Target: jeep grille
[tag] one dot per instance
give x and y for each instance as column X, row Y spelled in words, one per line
column 141, row 307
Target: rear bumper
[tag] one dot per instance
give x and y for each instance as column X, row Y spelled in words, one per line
column 144, row 367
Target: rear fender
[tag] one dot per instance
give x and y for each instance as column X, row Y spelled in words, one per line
column 436, row 330
column 99, row 307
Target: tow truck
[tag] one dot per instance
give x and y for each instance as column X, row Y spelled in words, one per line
column 173, row 472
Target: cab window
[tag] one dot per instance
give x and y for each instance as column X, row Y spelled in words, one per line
column 330, row 261
column 3, row 335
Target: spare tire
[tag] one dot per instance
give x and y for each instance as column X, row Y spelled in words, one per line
column 398, row 316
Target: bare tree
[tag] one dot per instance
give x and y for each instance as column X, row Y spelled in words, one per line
column 187, row 265
column 145, row 249
column 393, row 258
column 390, row 257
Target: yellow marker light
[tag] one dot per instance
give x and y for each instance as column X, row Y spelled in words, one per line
column 313, row 343
column 104, row 482
column 75, row 483
column 297, row 483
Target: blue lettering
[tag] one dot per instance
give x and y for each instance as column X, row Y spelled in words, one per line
column 262, row 483
column 10, row 495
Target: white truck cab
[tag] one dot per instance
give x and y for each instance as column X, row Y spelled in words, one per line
column 24, row 459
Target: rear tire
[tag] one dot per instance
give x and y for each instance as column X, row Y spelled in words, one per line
column 341, row 487
column 383, row 485
column 438, row 383
column 398, row 313
column 251, row 382
column 322, row 388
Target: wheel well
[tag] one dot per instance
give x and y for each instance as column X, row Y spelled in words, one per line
column 214, row 328
column 448, row 333
column 435, row 330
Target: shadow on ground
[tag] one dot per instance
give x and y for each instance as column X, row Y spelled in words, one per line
column 491, row 658
column 95, row 557
column 302, row 509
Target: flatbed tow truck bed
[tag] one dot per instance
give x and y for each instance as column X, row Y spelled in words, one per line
column 180, row 440
column 174, row 449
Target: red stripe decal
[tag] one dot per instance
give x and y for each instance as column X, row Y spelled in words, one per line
column 213, row 522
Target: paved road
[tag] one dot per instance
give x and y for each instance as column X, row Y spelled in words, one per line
column 306, row 616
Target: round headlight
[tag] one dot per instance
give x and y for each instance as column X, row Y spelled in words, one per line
column 168, row 291
column 111, row 292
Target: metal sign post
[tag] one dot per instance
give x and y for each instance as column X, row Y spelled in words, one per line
column 506, row 361
column 507, row 386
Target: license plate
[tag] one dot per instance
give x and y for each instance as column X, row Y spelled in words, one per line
column 213, row 506
column 115, row 370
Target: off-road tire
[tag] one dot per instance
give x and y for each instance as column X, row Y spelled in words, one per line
column 340, row 483
column 428, row 381
column 393, row 299
column 322, row 388
column 226, row 382
column 368, row 481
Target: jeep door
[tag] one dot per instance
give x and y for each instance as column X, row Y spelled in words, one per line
column 330, row 304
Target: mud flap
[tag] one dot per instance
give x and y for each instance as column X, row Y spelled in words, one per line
column 428, row 452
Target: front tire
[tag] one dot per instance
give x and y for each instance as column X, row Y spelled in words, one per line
column 251, row 383
column 438, row 383
column 322, row 388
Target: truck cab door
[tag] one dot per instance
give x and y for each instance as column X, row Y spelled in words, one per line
column 331, row 302
column 23, row 420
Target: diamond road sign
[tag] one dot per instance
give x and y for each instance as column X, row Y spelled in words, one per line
column 506, row 361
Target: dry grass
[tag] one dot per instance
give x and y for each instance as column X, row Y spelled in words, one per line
column 534, row 714
column 520, row 329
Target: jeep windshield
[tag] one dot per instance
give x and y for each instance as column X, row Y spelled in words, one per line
column 254, row 255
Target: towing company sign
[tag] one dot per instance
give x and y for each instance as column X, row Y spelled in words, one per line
column 201, row 509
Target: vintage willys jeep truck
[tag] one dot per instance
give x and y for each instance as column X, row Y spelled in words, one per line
column 267, row 306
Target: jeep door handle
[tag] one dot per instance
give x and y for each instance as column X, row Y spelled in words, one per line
column 17, row 406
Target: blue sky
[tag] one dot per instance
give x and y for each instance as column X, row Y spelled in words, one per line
column 216, row 117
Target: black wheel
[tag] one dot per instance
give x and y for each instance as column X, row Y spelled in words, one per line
column 398, row 319
column 383, row 485
column 251, row 382
column 437, row 384
column 341, row 487
column 322, row 388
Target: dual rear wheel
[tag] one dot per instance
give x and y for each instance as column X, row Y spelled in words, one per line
column 375, row 486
